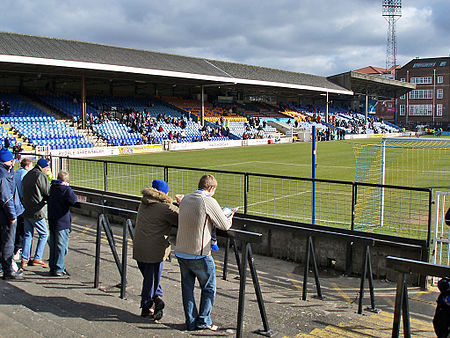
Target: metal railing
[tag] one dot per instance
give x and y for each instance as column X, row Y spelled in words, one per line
column 405, row 211
column 404, row 267
column 246, row 238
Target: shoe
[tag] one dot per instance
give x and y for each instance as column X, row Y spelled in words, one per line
column 209, row 327
column 59, row 274
column 38, row 262
column 24, row 263
column 13, row 275
column 146, row 312
column 159, row 306
column 17, row 256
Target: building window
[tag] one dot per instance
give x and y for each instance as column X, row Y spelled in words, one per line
column 422, row 80
column 421, row 94
column 420, row 110
column 403, row 97
column 403, row 79
column 439, row 93
column 402, row 110
column 440, row 79
column 439, row 110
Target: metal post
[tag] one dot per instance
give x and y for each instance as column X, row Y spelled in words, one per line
column 98, row 241
column 363, row 278
column 354, row 191
column 225, row 259
column 316, row 270
column 383, row 181
column 371, row 290
column 166, row 174
column 262, row 310
column 305, row 274
column 326, row 110
column 202, row 116
column 236, row 255
column 367, row 110
column 105, row 176
column 313, row 175
column 401, row 281
column 123, row 280
column 111, row 242
column 241, row 303
column 405, row 310
column 83, row 101
column 246, row 189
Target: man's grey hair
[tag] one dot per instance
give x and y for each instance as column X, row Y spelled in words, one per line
column 63, row 176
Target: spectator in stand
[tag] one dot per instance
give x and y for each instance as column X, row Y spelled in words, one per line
column 36, row 188
column 61, row 197
column 10, row 209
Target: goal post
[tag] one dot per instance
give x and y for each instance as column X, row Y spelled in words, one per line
column 400, row 161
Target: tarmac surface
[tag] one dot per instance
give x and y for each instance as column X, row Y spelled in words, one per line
column 45, row 306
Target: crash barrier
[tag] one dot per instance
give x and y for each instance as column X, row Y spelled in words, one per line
column 102, row 208
column 403, row 267
column 363, row 246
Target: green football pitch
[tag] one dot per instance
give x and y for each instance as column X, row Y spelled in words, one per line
column 335, row 159
column 287, row 194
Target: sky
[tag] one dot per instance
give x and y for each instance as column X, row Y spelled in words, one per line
column 321, row 37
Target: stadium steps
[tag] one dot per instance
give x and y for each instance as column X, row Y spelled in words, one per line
column 27, row 147
column 88, row 134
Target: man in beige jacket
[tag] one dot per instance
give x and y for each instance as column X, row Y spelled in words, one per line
column 199, row 212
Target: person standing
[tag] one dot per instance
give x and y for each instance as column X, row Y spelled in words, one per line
column 156, row 216
column 10, row 209
column 61, row 197
column 25, row 166
column 36, row 188
column 199, row 212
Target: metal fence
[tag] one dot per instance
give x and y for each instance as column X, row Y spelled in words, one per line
column 403, row 211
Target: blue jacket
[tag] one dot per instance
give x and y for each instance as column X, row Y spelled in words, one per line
column 10, row 205
column 18, row 178
column 60, row 198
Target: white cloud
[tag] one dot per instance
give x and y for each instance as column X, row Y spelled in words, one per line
column 314, row 36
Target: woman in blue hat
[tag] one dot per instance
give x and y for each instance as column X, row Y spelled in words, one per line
column 156, row 216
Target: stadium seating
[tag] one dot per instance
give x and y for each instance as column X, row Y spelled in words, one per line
column 69, row 106
column 117, row 133
column 37, row 127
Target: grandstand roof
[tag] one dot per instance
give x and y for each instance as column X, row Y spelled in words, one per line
column 372, row 85
column 20, row 50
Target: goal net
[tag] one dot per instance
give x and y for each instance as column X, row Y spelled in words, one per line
column 408, row 162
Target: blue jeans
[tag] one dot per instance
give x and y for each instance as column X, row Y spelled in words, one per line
column 151, row 286
column 59, row 246
column 41, row 227
column 204, row 270
column 7, row 236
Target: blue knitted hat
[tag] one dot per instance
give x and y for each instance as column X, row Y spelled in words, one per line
column 160, row 185
column 42, row 162
column 6, row 155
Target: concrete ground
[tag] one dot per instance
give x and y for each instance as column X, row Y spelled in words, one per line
column 41, row 305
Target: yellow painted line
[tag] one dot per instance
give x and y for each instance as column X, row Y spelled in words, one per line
column 342, row 332
column 297, row 285
column 218, row 266
column 341, row 293
column 389, row 301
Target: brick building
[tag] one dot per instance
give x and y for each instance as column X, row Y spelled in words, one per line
column 429, row 103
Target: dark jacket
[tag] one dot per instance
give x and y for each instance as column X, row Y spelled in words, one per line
column 9, row 198
column 155, row 218
column 61, row 197
column 36, row 187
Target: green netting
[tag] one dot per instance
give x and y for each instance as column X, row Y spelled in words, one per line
column 410, row 162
